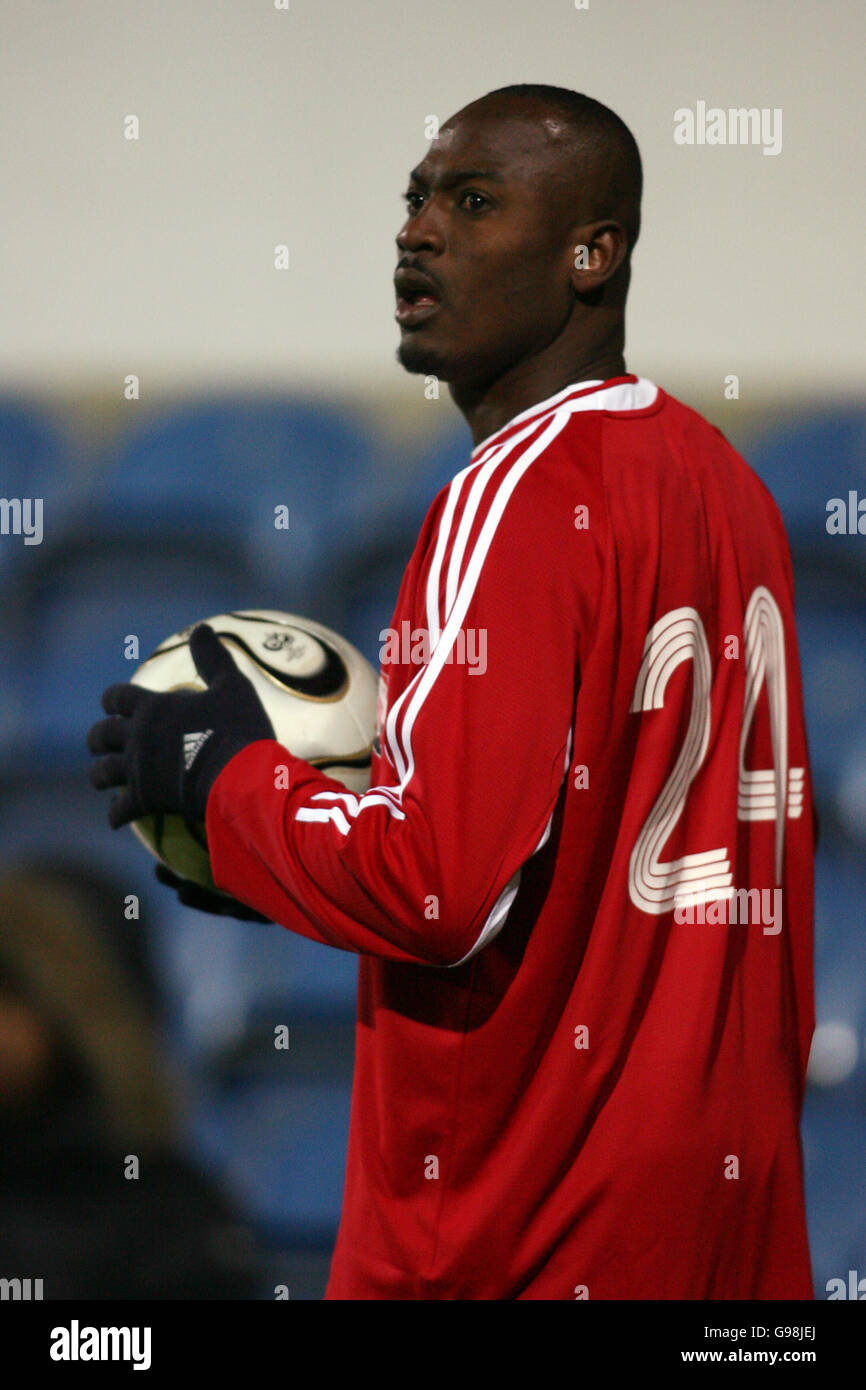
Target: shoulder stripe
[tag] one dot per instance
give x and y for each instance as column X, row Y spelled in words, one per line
column 416, row 693
column 633, row 393
column 434, row 625
column 540, row 426
column 486, row 466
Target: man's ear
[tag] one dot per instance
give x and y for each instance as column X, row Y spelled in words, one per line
column 598, row 249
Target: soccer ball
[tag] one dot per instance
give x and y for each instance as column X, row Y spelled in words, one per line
column 319, row 693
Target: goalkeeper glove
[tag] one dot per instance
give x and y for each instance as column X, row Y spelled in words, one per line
column 165, row 751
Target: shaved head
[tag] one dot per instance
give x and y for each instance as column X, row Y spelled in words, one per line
column 515, row 257
column 599, row 165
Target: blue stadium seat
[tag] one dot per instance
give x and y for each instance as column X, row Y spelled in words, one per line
column 281, row 1148
column 55, row 812
column 37, row 461
column 371, row 589
column 834, row 1135
column 227, row 978
column 807, row 460
column 850, row 793
column 371, row 572
column 840, row 941
column 832, row 643
column 447, row 456
column 14, row 661
column 833, row 1149
column 68, row 633
column 222, row 468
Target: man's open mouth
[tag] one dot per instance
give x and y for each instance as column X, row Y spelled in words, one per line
column 417, row 297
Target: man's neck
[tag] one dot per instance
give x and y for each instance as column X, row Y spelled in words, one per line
column 487, row 408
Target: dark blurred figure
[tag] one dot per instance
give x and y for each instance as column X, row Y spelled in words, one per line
column 83, row 1090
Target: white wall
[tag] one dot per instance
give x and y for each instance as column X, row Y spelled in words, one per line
column 260, row 126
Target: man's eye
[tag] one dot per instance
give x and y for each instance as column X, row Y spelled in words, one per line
column 474, row 202
column 413, row 200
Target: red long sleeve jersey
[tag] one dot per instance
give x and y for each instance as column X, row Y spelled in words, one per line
column 580, row 883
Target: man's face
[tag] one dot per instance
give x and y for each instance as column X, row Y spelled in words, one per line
column 483, row 266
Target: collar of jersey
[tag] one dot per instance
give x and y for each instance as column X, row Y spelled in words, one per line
column 575, row 390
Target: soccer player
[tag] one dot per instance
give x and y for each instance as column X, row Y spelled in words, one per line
column 580, row 884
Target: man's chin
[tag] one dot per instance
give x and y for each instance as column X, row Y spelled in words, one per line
column 420, row 358
column 456, row 366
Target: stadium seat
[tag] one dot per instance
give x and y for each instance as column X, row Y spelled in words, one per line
column 229, row 980
column 281, row 1148
column 67, row 639
column 833, row 1148
column 49, row 811
column 832, row 642
column 807, row 460
column 222, row 468
column 446, row 457
column 37, row 461
column 833, row 1128
column 371, row 571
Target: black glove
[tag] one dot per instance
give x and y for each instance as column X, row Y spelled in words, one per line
column 193, row 895
column 166, row 750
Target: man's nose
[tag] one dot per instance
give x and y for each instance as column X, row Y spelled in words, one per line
column 423, row 231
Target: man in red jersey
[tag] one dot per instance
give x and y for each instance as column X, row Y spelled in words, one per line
column 581, row 881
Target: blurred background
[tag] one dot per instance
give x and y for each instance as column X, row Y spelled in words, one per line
column 164, row 386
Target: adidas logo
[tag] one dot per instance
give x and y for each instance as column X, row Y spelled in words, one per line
column 191, row 745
